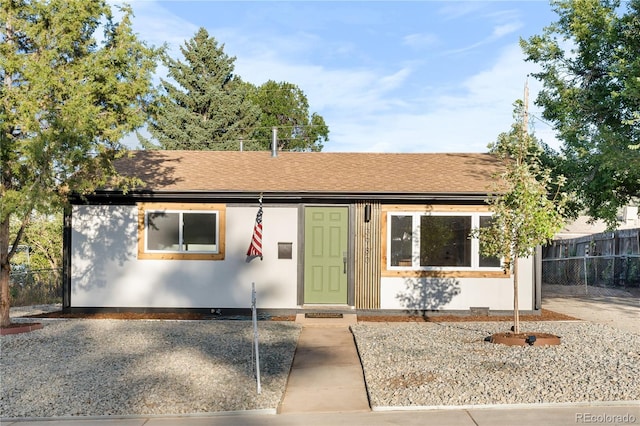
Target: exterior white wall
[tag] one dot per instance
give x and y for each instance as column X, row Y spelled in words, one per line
column 459, row 293
column 105, row 271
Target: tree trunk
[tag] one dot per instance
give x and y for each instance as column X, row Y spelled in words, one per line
column 5, row 183
column 516, row 313
column 5, row 269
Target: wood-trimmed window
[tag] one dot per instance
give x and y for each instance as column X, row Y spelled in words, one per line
column 181, row 231
column 435, row 243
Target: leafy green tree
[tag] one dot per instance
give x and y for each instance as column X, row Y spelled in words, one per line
column 37, row 265
column 66, row 100
column 285, row 106
column 208, row 107
column 526, row 214
column 589, row 68
column 43, row 237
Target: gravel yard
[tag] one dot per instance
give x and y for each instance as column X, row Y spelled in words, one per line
column 427, row 364
column 116, row 367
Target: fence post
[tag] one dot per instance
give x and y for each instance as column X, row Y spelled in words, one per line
column 586, row 271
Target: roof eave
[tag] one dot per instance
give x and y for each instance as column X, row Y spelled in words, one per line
column 286, row 195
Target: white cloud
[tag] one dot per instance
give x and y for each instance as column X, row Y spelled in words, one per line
column 394, row 80
column 506, row 29
column 420, row 40
column 466, row 119
column 499, row 31
column 455, row 10
column 157, row 26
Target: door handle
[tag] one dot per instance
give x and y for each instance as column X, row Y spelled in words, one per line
column 344, row 262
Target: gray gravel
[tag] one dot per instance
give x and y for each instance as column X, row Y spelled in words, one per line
column 117, row 367
column 427, row 364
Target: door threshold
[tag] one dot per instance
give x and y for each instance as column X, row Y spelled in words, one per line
column 325, row 307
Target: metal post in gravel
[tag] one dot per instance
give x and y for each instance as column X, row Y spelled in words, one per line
column 254, row 315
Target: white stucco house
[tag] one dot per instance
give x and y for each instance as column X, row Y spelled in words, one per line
column 346, row 231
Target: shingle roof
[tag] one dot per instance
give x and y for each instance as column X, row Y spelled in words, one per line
column 322, row 172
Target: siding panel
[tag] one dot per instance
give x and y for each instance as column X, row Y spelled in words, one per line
column 367, row 256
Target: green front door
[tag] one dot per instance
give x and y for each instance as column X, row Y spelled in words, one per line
column 325, row 255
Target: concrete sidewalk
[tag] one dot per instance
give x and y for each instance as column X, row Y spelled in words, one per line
column 533, row 415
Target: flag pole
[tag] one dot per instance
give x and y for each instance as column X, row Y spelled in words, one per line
column 255, row 247
column 260, row 207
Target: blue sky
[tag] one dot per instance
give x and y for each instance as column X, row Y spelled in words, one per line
column 414, row 76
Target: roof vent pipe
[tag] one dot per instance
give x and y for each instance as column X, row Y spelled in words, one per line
column 274, row 142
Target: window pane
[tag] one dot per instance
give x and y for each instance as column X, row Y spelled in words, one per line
column 163, row 231
column 199, row 231
column 401, row 241
column 444, row 241
column 488, row 261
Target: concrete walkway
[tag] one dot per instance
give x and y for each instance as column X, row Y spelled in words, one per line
column 326, row 374
column 616, row 311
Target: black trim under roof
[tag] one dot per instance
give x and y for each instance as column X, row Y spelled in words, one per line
column 114, row 197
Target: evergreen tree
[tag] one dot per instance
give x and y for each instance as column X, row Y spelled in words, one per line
column 66, row 101
column 208, row 108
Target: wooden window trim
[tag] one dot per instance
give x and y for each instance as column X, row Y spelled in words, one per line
column 435, row 273
column 220, row 208
column 444, row 274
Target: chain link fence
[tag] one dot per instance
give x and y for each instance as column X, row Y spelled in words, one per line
column 609, row 260
column 618, row 272
column 35, row 286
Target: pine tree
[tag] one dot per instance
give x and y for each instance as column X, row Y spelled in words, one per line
column 208, row 108
column 66, row 101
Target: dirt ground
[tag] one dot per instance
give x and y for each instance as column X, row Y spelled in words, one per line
column 546, row 315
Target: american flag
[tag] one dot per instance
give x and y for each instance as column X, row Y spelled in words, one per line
column 255, row 248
